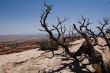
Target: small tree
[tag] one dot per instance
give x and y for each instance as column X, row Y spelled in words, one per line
column 60, row 28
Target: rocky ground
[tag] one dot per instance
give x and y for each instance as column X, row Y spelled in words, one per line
column 35, row 61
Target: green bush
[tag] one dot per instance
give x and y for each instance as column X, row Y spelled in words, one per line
column 48, row 45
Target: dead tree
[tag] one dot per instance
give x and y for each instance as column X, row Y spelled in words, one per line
column 60, row 39
column 83, row 31
column 88, row 46
column 103, row 32
column 60, row 28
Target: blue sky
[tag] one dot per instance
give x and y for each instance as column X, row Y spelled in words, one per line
column 22, row 16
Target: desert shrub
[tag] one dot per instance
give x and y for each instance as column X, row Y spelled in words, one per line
column 48, row 45
column 12, row 44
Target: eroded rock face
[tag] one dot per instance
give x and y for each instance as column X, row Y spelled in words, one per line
column 32, row 61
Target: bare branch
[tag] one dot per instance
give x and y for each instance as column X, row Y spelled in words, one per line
column 60, row 28
column 105, row 22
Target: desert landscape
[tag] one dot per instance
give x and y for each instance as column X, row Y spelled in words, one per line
column 34, row 60
column 14, row 43
column 54, row 36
